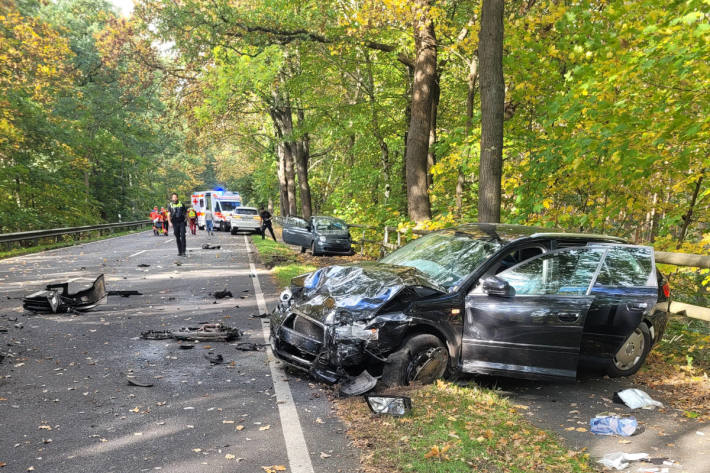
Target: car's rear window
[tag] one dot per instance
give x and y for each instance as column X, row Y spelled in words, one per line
column 630, row 266
column 244, row 211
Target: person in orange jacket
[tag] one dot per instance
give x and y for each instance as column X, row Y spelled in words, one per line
column 164, row 219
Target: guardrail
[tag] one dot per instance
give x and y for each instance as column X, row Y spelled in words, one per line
column 34, row 236
column 394, row 238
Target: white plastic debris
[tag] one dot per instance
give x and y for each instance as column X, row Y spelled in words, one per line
column 635, row 399
column 619, row 460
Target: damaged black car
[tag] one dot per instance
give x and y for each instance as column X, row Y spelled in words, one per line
column 482, row 298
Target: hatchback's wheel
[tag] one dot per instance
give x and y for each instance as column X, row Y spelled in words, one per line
column 423, row 358
column 629, row 358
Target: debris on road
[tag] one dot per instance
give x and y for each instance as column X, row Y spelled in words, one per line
column 222, row 294
column 359, row 384
column 635, row 399
column 140, row 384
column 613, row 425
column 619, row 460
column 57, row 299
column 207, row 246
column 214, row 359
column 207, row 332
column 248, row 346
column 124, row 293
column 156, row 335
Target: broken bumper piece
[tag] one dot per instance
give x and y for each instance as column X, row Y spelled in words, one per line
column 57, row 299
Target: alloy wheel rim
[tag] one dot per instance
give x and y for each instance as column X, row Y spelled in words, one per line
column 630, row 352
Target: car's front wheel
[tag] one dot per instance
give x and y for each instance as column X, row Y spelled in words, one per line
column 423, row 358
column 629, row 358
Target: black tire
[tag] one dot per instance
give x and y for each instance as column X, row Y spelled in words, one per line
column 423, row 358
column 630, row 357
column 313, row 249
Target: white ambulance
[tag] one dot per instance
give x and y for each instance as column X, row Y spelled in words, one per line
column 222, row 203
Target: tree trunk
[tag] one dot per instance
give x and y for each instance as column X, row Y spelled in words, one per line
column 468, row 124
column 303, row 153
column 431, row 156
column 490, row 54
column 687, row 218
column 418, row 134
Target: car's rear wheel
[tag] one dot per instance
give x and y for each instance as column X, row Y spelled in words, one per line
column 423, row 359
column 630, row 357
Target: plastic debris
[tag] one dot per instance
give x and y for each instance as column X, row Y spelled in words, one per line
column 619, row 460
column 222, row 294
column 359, row 384
column 613, row 425
column 637, row 399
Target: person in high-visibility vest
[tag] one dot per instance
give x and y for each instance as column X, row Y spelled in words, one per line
column 177, row 216
column 192, row 219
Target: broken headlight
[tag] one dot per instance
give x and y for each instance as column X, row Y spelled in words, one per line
column 392, row 405
column 286, row 297
column 356, row 331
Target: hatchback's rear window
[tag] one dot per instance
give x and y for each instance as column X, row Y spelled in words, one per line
column 243, row 211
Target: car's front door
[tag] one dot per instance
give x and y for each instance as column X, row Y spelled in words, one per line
column 535, row 330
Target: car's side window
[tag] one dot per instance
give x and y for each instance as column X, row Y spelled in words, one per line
column 515, row 257
column 566, row 272
column 627, row 266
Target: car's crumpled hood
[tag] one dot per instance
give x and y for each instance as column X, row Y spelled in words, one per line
column 354, row 292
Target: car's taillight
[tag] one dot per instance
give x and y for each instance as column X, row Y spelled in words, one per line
column 667, row 290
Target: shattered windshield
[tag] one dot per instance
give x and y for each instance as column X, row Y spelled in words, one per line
column 446, row 258
column 329, row 224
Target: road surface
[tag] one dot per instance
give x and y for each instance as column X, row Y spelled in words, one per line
column 65, row 402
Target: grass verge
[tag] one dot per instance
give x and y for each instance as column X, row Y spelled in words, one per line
column 679, row 367
column 455, row 429
column 283, row 262
column 62, row 244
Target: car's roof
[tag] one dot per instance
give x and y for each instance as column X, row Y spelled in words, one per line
column 505, row 233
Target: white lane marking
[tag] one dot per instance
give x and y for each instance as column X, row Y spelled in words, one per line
column 298, row 458
column 137, row 253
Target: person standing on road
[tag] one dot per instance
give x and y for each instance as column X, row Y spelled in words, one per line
column 192, row 218
column 177, row 217
column 266, row 223
column 208, row 221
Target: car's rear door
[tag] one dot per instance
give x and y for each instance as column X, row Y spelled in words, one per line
column 625, row 290
column 537, row 331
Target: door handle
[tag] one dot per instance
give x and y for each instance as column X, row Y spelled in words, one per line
column 568, row 316
column 637, row 306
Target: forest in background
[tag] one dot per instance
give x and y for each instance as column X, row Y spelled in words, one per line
column 368, row 110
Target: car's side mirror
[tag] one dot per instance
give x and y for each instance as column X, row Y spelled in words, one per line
column 495, row 286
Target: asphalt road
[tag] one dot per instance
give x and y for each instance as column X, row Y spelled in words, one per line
column 65, row 402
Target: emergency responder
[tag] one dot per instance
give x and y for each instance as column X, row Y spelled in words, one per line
column 266, row 223
column 177, row 216
column 192, row 219
column 164, row 220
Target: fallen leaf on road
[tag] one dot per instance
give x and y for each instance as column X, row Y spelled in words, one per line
column 273, row 468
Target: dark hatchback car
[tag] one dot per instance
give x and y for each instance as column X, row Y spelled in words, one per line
column 322, row 235
column 482, row 298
